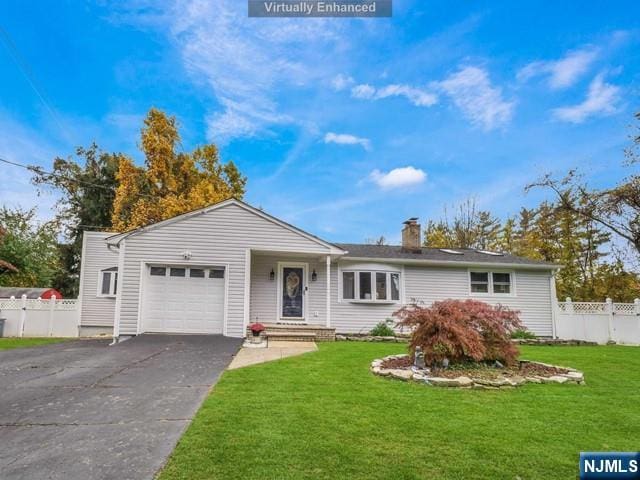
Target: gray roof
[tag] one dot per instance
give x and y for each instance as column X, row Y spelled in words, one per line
column 436, row 255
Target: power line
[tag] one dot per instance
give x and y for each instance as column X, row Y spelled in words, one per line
column 41, row 171
column 26, row 70
column 33, row 168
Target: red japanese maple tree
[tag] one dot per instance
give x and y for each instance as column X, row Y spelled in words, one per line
column 461, row 331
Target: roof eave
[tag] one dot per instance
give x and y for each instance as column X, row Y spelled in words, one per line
column 417, row 261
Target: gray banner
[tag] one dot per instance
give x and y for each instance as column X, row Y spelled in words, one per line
column 317, row 8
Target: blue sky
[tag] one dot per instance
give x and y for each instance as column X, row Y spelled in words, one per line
column 344, row 127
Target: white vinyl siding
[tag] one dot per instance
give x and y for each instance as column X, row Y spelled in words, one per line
column 219, row 236
column 531, row 292
column 96, row 309
column 264, row 292
column 531, row 296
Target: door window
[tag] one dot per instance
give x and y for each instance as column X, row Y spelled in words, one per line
column 292, row 292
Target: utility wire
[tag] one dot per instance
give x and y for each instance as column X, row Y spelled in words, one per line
column 26, row 70
column 33, row 168
column 41, row 171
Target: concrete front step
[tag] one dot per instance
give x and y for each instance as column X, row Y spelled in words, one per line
column 302, row 332
column 290, row 336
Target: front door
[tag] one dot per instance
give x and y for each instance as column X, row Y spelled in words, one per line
column 292, row 291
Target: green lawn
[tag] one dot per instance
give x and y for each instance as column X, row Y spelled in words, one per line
column 8, row 343
column 323, row 415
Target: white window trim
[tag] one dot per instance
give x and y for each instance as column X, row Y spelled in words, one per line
column 356, row 291
column 491, row 293
column 112, row 282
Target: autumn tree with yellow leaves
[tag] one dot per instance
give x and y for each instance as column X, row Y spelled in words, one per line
column 170, row 182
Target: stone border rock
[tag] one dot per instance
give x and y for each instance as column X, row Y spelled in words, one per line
column 371, row 338
column 552, row 341
column 421, row 376
column 341, row 337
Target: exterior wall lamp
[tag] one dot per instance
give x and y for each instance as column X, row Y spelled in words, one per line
column 272, row 275
column 314, row 275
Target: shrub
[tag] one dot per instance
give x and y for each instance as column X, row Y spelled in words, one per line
column 461, row 331
column 382, row 329
column 524, row 334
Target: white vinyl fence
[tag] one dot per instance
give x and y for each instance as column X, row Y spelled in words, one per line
column 40, row 318
column 598, row 322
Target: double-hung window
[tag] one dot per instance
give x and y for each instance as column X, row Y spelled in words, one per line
column 496, row 283
column 479, row 282
column 108, row 282
column 370, row 286
column 501, row 282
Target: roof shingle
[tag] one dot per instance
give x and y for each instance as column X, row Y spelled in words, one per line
column 466, row 256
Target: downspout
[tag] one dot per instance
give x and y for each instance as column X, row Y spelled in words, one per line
column 328, row 291
column 116, row 320
column 554, row 303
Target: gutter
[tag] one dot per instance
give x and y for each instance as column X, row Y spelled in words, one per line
column 444, row 263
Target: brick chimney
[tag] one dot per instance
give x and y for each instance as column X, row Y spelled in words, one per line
column 411, row 235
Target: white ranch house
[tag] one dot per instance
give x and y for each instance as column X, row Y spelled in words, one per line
column 220, row 268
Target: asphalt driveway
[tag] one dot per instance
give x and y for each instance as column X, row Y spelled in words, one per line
column 85, row 410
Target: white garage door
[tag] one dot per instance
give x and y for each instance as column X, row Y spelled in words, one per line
column 183, row 299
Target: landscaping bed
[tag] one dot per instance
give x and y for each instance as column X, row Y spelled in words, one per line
column 475, row 375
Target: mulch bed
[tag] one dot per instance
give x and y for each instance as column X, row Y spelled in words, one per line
column 480, row 370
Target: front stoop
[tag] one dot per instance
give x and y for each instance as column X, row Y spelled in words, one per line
column 291, row 336
column 296, row 333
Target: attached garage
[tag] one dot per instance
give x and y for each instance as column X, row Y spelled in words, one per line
column 181, row 299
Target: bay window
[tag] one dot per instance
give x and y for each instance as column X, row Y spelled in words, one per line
column 371, row 286
column 395, row 286
column 381, row 286
column 348, row 285
column 365, row 285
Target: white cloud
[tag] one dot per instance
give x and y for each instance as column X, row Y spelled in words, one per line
column 601, row 99
column 245, row 62
column 398, row 177
column 472, row 92
column 346, row 139
column 564, row 72
column 417, row 96
column 364, row 91
column 340, row 82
